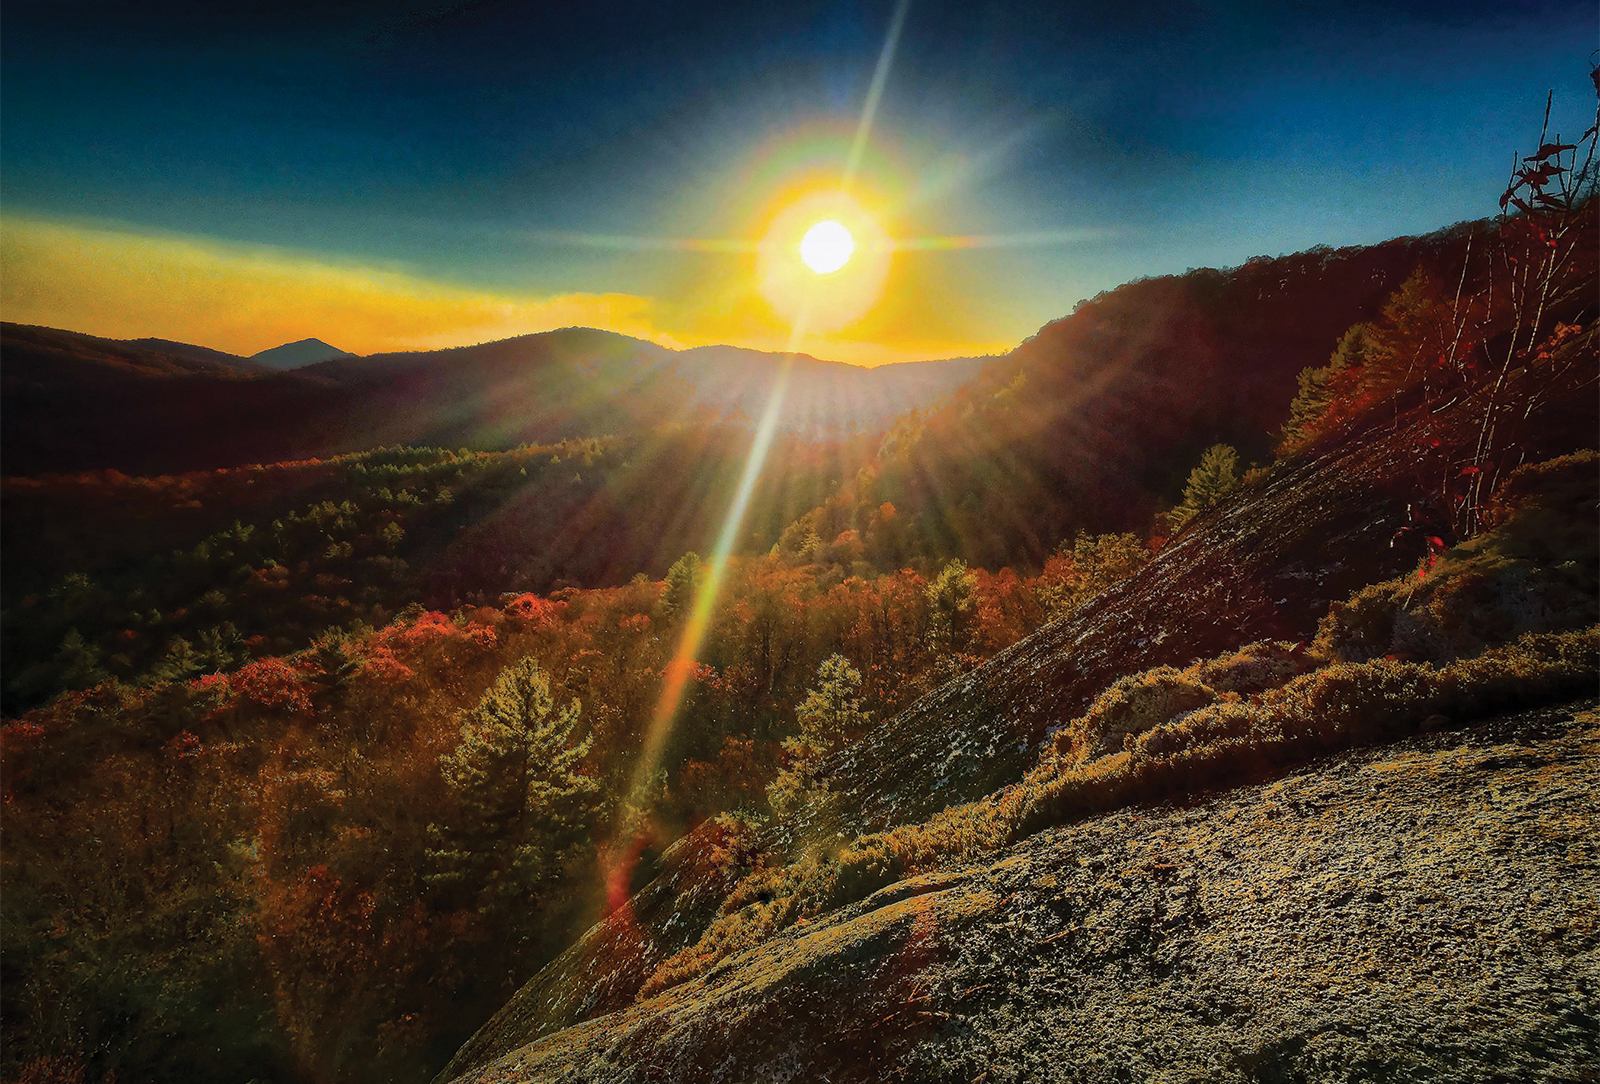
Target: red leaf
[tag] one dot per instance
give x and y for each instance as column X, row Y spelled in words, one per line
column 1470, row 470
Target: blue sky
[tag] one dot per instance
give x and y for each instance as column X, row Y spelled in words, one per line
column 484, row 148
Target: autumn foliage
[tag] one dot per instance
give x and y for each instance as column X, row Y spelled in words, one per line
column 283, row 856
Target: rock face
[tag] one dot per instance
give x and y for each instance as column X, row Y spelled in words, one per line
column 1424, row 911
column 604, row 970
column 1266, row 566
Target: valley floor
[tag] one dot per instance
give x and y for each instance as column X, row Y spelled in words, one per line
column 1428, row 910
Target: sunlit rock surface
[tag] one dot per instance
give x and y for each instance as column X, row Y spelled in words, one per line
column 1425, row 911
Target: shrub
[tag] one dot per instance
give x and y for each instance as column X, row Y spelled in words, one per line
column 1131, row 706
column 1535, row 571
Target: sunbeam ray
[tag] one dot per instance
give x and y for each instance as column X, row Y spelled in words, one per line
column 1030, row 239
column 880, row 78
column 675, row 679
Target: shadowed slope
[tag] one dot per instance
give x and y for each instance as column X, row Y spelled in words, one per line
column 1096, row 420
column 603, row 970
column 1267, row 565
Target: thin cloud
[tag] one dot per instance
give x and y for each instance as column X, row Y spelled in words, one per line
column 243, row 299
column 124, row 284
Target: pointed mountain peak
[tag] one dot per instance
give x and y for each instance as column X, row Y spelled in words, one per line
column 294, row 355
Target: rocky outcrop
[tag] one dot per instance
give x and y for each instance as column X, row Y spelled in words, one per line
column 603, row 971
column 1424, row 911
column 833, row 996
column 1265, row 566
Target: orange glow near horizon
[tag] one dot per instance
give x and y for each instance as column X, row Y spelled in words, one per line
column 119, row 283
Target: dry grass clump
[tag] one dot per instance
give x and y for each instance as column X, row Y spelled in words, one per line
column 1141, row 702
column 1256, row 667
column 1226, row 742
column 1340, row 706
column 1129, row 707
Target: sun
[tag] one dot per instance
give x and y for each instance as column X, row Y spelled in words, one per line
column 826, row 247
column 823, row 258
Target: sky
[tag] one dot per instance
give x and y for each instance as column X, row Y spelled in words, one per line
column 383, row 177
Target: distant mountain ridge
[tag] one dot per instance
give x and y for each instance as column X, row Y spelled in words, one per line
column 1090, row 423
column 297, row 354
column 75, row 402
column 195, row 353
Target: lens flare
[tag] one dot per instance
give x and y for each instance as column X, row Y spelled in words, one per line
column 800, row 303
column 826, row 247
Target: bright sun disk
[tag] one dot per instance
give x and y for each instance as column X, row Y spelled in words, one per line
column 826, row 247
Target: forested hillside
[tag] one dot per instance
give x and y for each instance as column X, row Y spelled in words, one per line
column 1093, row 425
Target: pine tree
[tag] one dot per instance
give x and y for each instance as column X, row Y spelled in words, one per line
column 683, row 583
column 830, row 713
column 800, row 540
column 1317, row 386
column 524, row 804
column 78, row 662
column 951, row 600
column 221, row 648
column 1215, row 477
column 1411, row 338
column 180, row 662
column 335, row 664
column 832, row 709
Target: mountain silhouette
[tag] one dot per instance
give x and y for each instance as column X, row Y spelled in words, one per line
column 296, row 354
column 75, row 402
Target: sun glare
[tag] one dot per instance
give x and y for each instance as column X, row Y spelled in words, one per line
column 825, row 253
column 826, row 247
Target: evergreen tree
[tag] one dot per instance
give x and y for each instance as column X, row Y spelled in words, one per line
column 180, row 663
column 1412, row 337
column 221, row 649
column 1317, row 387
column 335, row 665
column 830, row 712
column 800, row 539
column 832, row 708
column 1215, row 477
column 952, row 597
column 524, row 804
column 683, row 583
column 77, row 663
